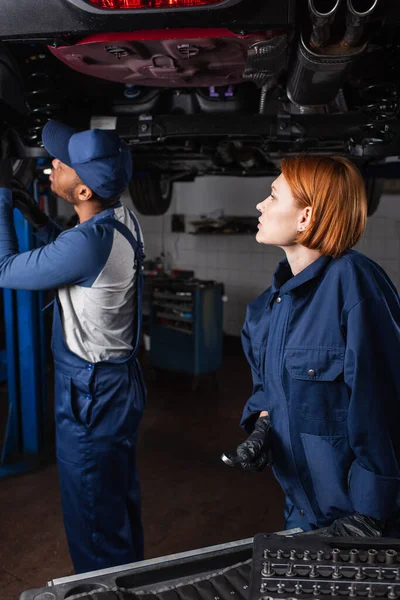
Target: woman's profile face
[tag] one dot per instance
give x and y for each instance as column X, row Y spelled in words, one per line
column 280, row 218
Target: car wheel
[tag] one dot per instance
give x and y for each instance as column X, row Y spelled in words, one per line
column 151, row 193
column 374, row 188
column 24, row 170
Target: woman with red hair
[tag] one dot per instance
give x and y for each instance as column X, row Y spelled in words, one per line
column 323, row 343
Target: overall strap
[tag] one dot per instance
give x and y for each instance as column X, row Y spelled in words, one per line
column 137, row 245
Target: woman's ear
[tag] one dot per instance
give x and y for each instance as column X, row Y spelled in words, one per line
column 305, row 219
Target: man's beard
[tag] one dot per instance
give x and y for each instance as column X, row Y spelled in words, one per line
column 66, row 195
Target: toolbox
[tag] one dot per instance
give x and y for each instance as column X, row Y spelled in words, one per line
column 186, row 326
column 282, row 566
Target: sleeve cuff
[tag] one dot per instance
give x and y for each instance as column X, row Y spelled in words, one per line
column 248, row 422
column 373, row 495
column 250, row 415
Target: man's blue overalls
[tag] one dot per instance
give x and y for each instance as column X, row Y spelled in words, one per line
column 98, row 408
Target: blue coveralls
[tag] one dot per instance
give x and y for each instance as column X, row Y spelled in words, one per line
column 324, row 349
column 98, row 406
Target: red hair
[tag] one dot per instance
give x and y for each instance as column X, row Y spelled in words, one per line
column 335, row 190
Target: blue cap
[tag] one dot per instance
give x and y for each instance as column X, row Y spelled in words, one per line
column 99, row 157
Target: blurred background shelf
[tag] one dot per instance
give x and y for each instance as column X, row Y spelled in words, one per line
column 191, row 344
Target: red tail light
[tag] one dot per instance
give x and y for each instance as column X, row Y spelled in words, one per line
column 135, row 4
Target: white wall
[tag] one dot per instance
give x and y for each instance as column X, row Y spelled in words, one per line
column 238, row 261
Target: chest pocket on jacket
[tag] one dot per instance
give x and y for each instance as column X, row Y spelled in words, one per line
column 316, row 384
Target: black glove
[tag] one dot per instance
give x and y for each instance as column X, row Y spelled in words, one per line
column 6, row 172
column 254, row 454
column 29, row 209
column 356, row 525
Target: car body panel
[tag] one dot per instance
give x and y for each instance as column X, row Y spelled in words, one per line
column 57, row 18
column 173, row 58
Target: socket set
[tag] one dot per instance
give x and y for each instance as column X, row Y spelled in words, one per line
column 307, row 566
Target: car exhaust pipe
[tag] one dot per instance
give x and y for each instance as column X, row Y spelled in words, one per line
column 317, row 75
column 318, row 71
column 358, row 13
column 322, row 14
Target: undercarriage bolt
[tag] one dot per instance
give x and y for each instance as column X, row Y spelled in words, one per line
column 353, row 591
column 397, row 574
column 336, row 572
column 370, row 589
column 316, row 589
column 293, row 555
column 392, row 593
column 266, row 553
column 290, row 570
column 281, row 588
column 334, row 590
column 360, row 574
column 267, row 570
column 354, row 555
column 313, row 571
column 306, row 555
column 320, row 555
column 263, row 587
column 336, row 555
column 380, row 574
column 390, row 557
column 298, row 588
column 372, row 554
column 279, row 554
column 131, row 91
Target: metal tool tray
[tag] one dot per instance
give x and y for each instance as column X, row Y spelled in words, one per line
column 223, row 572
column 153, row 576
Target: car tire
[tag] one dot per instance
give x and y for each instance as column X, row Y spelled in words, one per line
column 374, row 187
column 151, row 194
column 24, row 170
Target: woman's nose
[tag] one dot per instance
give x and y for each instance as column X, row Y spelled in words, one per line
column 259, row 206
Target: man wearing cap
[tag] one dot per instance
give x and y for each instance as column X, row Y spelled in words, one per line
column 100, row 393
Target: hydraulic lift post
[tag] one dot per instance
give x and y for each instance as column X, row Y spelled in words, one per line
column 26, row 364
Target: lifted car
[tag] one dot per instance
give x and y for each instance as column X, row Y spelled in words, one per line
column 207, row 87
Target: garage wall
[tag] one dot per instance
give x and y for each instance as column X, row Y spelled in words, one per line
column 238, row 261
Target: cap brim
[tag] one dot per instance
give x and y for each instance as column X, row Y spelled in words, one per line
column 55, row 138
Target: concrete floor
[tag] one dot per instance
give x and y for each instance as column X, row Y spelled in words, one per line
column 190, row 499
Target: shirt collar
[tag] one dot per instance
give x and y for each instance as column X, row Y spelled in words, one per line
column 284, row 281
column 104, row 213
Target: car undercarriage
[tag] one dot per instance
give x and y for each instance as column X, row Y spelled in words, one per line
column 199, row 87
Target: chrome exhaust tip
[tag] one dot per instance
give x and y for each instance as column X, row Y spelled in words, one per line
column 354, row 6
column 318, row 10
column 357, row 17
column 322, row 14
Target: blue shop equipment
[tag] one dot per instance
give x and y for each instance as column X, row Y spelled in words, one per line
column 186, row 325
column 26, row 420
